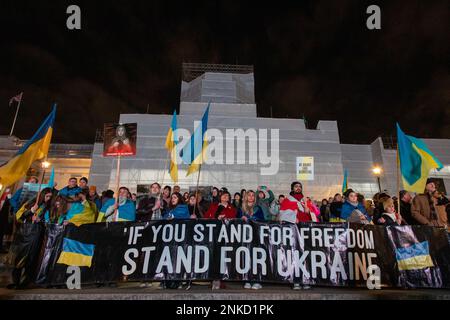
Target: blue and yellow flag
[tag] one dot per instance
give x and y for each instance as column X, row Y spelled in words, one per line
column 51, row 181
column 75, row 253
column 81, row 213
column 125, row 212
column 36, row 148
column 414, row 257
column 345, row 182
column 416, row 161
column 194, row 151
column 171, row 146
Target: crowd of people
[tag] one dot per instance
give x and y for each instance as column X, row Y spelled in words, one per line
column 78, row 204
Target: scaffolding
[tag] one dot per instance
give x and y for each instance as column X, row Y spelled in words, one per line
column 194, row 70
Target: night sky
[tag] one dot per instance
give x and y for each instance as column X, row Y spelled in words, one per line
column 314, row 58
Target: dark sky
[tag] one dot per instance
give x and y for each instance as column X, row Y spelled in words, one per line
column 314, row 58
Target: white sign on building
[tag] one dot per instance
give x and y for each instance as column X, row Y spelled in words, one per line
column 305, row 168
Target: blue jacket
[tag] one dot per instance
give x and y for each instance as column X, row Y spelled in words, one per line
column 181, row 211
column 258, row 214
column 69, row 192
column 347, row 209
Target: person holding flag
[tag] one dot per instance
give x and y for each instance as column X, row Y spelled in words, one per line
column 126, row 209
column 415, row 163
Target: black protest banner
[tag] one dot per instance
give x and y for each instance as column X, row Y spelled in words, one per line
column 309, row 253
column 24, row 253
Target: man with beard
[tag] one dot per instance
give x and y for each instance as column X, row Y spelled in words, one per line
column 424, row 208
column 150, row 207
column 293, row 210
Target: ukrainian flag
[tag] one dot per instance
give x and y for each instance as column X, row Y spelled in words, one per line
column 414, row 257
column 36, row 148
column 345, row 182
column 81, row 213
column 171, row 146
column 416, row 161
column 75, row 253
column 194, row 151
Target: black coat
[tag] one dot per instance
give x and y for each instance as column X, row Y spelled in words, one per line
column 335, row 209
column 144, row 210
column 405, row 211
column 388, row 221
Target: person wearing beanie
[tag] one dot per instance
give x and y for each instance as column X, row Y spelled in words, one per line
column 391, row 217
column 293, row 210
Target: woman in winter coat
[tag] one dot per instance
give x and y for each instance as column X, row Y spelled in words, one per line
column 220, row 211
column 350, row 205
column 251, row 211
column 35, row 212
column 177, row 209
column 265, row 198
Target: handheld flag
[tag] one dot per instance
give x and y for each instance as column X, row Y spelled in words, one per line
column 345, row 182
column 416, row 161
column 171, row 146
column 36, row 148
column 75, row 253
column 194, row 151
column 17, row 98
column 51, row 181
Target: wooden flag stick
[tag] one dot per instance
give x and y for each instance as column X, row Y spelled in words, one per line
column 117, row 189
column 196, row 187
column 398, row 182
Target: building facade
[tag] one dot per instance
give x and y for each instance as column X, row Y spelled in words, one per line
column 231, row 93
column 68, row 160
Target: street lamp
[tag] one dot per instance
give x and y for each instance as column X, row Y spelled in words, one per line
column 44, row 165
column 377, row 172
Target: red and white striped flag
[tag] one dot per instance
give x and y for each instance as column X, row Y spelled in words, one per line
column 17, row 98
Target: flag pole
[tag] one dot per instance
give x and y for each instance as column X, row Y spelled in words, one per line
column 117, row 188
column 196, row 187
column 398, row 182
column 164, row 174
column 15, row 117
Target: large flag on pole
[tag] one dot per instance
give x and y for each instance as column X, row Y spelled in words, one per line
column 36, row 148
column 416, row 161
column 171, row 146
column 345, row 182
column 194, row 151
column 17, row 98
